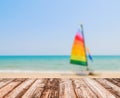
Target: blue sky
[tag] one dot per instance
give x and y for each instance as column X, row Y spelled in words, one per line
column 45, row 27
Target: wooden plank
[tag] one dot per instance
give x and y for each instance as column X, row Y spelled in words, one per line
column 21, row 89
column 6, row 89
column 5, row 82
column 66, row 89
column 82, row 90
column 4, row 79
column 1, row 79
column 35, row 91
column 51, row 89
column 112, row 87
column 112, row 80
column 115, row 81
column 118, row 80
column 98, row 89
column 60, row 88
column 20, row 79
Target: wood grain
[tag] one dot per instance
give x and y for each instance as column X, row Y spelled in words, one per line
column 60, row 88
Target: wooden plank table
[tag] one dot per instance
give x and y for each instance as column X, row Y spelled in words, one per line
column 59, row 88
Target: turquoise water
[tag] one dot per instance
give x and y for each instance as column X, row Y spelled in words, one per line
column 56, row 63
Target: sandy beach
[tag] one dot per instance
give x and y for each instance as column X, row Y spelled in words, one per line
column 53, row 74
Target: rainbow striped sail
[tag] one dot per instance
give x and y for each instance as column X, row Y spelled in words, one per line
column 78, row 54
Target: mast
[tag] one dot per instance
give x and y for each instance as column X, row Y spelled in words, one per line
column 82, row 31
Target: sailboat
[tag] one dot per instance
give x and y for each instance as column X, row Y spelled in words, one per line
column 79, row 54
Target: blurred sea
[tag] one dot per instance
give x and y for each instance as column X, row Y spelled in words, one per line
column 56, row 63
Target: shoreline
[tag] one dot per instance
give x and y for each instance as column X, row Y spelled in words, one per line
column 57, row 74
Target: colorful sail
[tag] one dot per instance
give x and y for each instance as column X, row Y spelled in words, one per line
column 78, row 54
